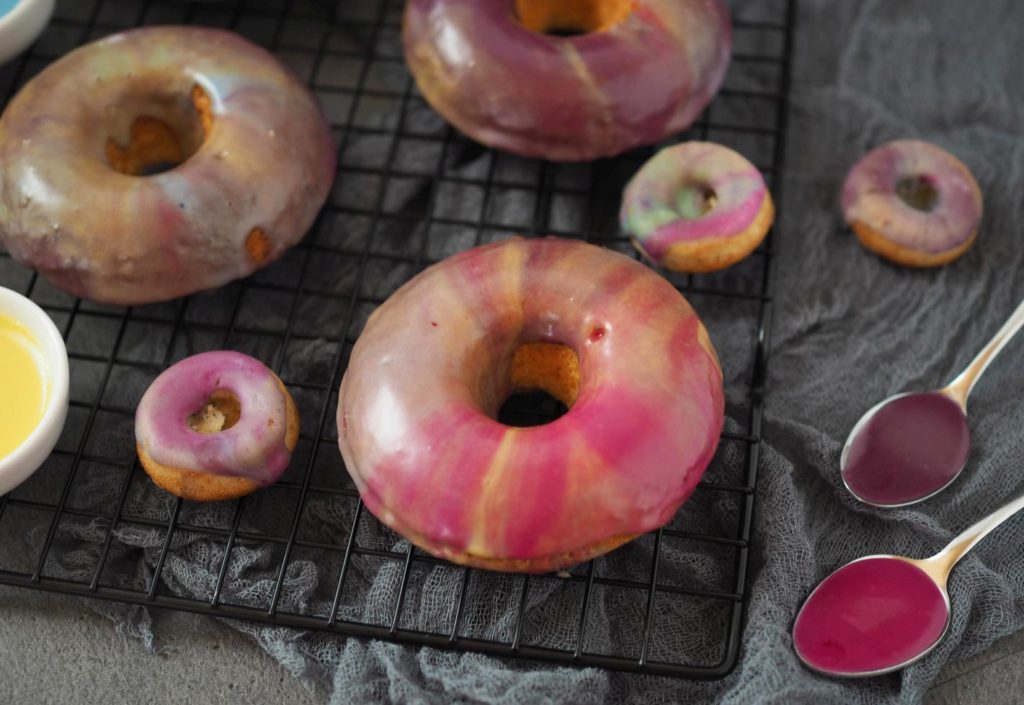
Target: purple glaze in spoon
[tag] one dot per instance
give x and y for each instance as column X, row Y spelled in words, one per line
column 912, row 446
column 879, row 614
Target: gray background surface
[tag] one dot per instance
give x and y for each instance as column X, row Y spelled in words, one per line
column 849, row 330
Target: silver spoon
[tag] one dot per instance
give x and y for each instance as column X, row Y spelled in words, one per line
column 879, row 614
column 912, row 446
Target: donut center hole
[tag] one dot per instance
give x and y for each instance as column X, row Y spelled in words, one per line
column 220, row 412
column 545, row 381
column 150, row 133
column 918, row 192
column 695, row 200
column 569, row 18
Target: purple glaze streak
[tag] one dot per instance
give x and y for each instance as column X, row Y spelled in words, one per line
column 567, row 98
column 873, row 614
column 650, row 211
column 910, row 448
column 267, row 163
column 869, row 196
column 253, row 448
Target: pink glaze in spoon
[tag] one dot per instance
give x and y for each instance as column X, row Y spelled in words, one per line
column 912, row 446
column 882, row 613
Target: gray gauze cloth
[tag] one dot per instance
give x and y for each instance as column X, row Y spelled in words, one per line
column 849, row 330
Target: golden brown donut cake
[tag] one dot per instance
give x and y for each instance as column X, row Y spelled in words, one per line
column 913, row 203
column 216, row 426
column 697, row 207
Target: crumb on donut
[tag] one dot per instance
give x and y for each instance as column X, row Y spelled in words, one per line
column 551, row 367
column 151, row 142
column 258, row 245
column 204, row 106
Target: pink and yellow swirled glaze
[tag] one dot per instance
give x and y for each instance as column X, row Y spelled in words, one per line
column 694, row 204
column 262, row 166
column 568, row 98
column 933, row 231
column 253, row 448
column 418, row 403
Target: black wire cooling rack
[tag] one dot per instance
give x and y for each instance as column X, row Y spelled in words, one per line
column 410, row 191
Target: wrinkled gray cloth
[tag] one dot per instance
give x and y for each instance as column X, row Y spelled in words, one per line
column 849, row 330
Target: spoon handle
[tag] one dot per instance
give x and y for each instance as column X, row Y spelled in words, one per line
column 961, row 387
column 944, row 560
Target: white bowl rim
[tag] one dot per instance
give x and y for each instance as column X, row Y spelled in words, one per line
column 55, row 353
column 15, row 14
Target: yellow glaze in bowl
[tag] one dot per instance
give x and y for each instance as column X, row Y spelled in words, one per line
column 22, row 388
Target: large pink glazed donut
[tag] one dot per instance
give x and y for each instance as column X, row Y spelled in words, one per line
column 634, row 72
column 215, row 426
column 598, row 330
column 256, row 163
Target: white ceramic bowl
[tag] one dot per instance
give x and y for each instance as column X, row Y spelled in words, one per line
column 22, row 25
column 24, row 460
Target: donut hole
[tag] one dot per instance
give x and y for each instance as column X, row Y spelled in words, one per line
column 220, row 412
column 545, row 381
column 694, row 200
column 919, row 192
column 149, row 133
column 569, row 18
column 526, row 409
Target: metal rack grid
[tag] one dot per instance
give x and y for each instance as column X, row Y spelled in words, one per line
column 410, row 190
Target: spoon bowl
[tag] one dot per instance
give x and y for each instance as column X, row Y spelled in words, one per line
column 879, row 614
column 906, row 449
column 912, row 446
column 893, row 615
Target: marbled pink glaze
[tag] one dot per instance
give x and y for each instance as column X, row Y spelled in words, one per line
column 568, row 98
column 417, row 407
column 651, row 210
column 268, row 163
column 254, row 448
column 869, row 196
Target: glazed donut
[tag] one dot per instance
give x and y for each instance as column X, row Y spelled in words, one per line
column 254, row 156
column 913, row 203
column 697, row 207
column 598, row 330
column 216, row 426
column 636, row 71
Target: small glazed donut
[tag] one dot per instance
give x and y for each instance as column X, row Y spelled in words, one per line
column 913, row 203
column 697, row 207
column 216, row 426
column 505, row 73
column 598, row 330
column 254, row 156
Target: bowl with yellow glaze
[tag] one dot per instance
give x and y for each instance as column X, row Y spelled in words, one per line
column 33, row 388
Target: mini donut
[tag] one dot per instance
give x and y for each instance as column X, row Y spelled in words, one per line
column 913, row 203
column 594, row 328
column 216, row 426
column 253, row 152
column 505, row 73
column 697, row 207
